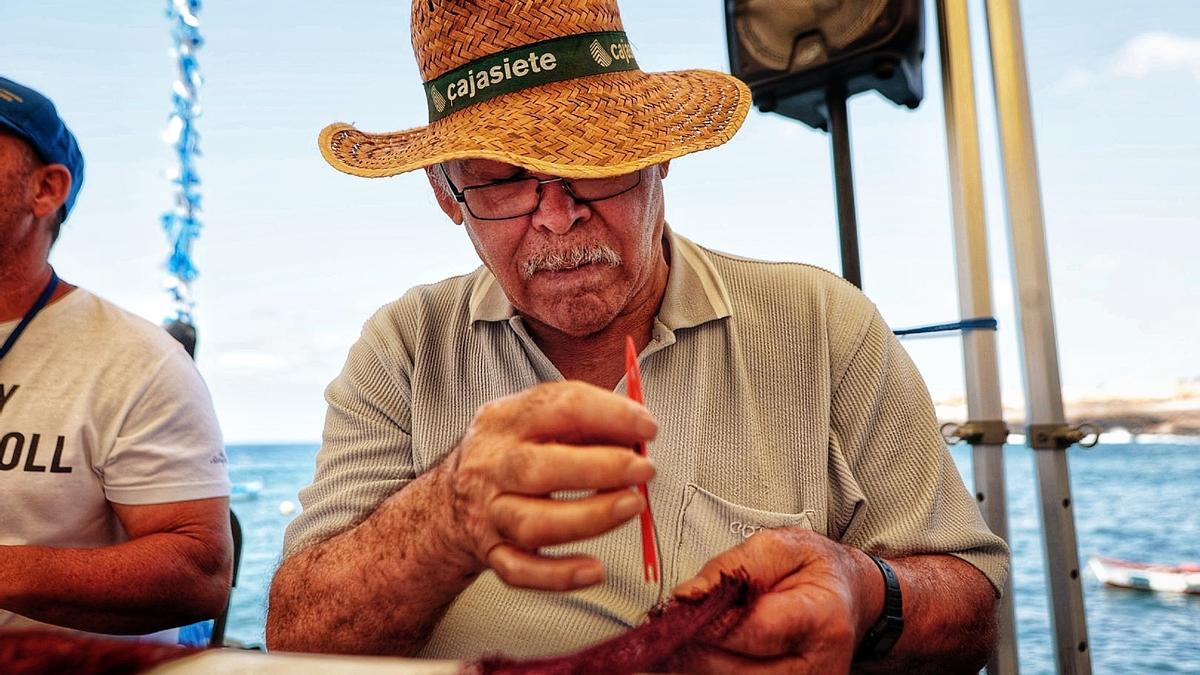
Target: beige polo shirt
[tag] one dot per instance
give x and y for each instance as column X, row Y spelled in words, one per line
column 783, row 401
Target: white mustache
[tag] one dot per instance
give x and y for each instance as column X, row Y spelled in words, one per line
column 566, row 260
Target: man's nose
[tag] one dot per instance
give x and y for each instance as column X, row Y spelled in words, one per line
column 558, row 211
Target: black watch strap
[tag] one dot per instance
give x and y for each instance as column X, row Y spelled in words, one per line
column 886, row 631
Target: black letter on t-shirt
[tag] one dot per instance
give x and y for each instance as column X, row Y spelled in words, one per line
column 5, row 395
column 55, row 467
column 30, row 464
column 18, row 443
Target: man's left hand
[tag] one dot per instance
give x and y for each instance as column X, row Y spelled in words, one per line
column 817, row 599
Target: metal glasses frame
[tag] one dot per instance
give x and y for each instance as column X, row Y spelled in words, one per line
column 460, row 194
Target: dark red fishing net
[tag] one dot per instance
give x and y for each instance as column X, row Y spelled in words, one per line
column 655, row 646
column 24, row 651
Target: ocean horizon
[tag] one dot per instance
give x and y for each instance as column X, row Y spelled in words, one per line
column 1133, row 501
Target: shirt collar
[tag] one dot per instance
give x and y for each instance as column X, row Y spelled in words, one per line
column 488, row 301
column 695, row 291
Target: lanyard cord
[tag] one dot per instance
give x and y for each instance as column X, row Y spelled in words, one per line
column 37, row 307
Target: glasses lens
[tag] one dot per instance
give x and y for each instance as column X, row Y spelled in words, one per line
column 520, row 197
column 594, row 189
column 503, row 200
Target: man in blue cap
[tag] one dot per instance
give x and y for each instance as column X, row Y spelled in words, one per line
column 113, row 484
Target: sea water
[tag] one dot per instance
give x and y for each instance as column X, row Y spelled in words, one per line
column 1138, row 501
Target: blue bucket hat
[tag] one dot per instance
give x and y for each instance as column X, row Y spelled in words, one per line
column 33, row 117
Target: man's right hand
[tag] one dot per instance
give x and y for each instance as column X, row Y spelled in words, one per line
column 521, row 448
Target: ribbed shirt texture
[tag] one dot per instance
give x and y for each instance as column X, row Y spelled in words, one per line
column 783, row 400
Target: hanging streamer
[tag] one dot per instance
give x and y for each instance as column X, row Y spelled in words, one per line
column 182, row 224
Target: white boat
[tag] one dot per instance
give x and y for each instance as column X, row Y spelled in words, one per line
column 1182, row 578
column 240, row 492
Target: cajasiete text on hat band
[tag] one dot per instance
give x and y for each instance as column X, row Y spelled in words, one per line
column 531, row 65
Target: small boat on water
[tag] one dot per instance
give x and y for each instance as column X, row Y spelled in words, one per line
column 240, row 492
column 1182, row 578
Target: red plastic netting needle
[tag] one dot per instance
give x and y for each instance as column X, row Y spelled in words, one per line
column 633, row 384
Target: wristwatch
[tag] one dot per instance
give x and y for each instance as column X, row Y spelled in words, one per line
column 886, row 631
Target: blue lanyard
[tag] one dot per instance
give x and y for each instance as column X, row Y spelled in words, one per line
column 37, row 307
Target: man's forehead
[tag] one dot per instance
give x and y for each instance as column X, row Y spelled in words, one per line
column 17, row 145
column 7, row 136
column 486, row 167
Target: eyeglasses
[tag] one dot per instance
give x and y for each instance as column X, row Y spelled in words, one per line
column 520, row 196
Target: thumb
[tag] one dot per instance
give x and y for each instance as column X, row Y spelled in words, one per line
column 765, row 558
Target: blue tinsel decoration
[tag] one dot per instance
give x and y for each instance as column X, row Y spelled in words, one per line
column 181, row 224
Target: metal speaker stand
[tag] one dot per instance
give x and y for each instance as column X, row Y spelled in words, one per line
column 843, row 181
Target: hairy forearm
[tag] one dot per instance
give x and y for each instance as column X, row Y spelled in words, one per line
column 949, row 618
column 379, row 588
column 151, row 583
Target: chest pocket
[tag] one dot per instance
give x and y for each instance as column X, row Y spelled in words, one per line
column 709, row 525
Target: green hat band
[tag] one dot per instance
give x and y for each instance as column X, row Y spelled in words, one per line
column 564, row 58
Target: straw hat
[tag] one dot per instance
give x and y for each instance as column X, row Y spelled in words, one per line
column 549, row 85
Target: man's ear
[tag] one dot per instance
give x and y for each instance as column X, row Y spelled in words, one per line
column 51, row 186
column 441, row 190
column 664, row 169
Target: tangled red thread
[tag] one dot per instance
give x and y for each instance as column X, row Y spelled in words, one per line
column 662, row 644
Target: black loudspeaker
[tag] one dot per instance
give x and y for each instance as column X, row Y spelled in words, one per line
column 791, row 51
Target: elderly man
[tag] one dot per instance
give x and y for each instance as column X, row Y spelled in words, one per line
column 114, row 510
column 790, row 435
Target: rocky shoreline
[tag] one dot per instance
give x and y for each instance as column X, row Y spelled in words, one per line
column 1158, row 416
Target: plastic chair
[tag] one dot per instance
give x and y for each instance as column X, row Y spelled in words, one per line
column 218, row 630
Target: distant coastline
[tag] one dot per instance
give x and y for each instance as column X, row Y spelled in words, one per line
column 1120, row 420
column 1170, row 416
column 1119, row 417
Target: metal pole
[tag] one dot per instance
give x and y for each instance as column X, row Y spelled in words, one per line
column 980, row 366
column 843, row 181
column 1039, row 349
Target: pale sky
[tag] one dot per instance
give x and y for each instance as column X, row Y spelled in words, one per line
column 295, row 256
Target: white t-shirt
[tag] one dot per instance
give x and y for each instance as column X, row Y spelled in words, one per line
column 98, row 405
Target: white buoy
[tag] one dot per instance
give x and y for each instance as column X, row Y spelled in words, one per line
column 287, row 507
